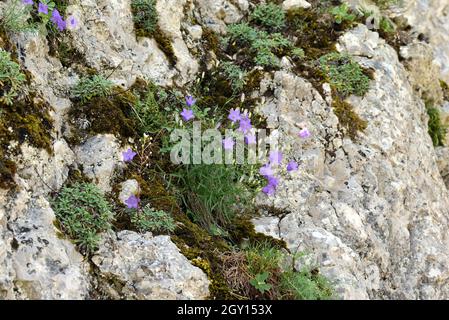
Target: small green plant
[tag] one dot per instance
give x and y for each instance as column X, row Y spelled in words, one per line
column 270, row 16
column 437, row 130
column 243, row 33
column 145, row 15
column 305, row 285
column 83, row 213
column 259, row 282
column 11, row 78
column 342, row 14
column 90, row 87
column 148, row 113
column 298, row 53
column 344, row 74
column 386, row 25
column 210, row 193
column 150, row 220
column 264, row 47
column 16, row 17
column 234, row 75
column 273, row 274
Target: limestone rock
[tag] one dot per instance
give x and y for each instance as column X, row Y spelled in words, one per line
column 40, row 264
column 148, row 268
column 98, row 158
column 295, row 4
column 358, row 206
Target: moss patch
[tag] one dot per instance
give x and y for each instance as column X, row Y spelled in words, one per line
column 348, row 118
column 445, row 88
column 27, row 120
column 165, row 44
column 101, row 115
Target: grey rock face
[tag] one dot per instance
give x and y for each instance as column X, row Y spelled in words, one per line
column 373, row 212
column 36, row 263
column 148, row 267
column 99, row 156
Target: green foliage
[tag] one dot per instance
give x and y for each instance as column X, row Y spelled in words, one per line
column 270, row 16
column 386, row 25
column 234, row 75
column 298, row 53
column 11, row 78
column 90, row 87
column 145, row 15
column 83, row 214
column 148, row 112
column 344, row 75
column 16, row 17
column 437, row 130
column 211, row 192
column 243, row 33
column 150, row 220
column 342, row 14
column 259, row 282
column 273, row 275
column 305, row 285
column 263, row 46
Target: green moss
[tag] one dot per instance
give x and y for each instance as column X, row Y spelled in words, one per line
column 101, row 115
column 165, row 44
column 348, row 118
column 211, row 41
column 437, row 130
column 7, row 171
column 27, row 120
column 445, row 88
column 315, row 33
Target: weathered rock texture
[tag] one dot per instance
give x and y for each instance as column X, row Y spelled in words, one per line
column 373, row 213
column 148, row 268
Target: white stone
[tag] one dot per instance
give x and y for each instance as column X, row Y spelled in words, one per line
column 295, row 4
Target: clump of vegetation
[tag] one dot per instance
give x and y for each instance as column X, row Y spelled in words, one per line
column 262, row 271
column 445, row 87
column 90, row 87
column 386, row 25
column 437, row 130
column 145, row 16
column 150, row 220
column 11, row 78
column 235, row 75
column 342, row 14
column 210, row 193
column 147, row 110
column 83, row 213
column 264, row 47
column 344, row 74
column 16, row 17
column 269, row 15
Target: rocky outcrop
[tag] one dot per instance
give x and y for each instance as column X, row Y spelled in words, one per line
column 144, row 267
column 358, row 206
column 371, row 212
